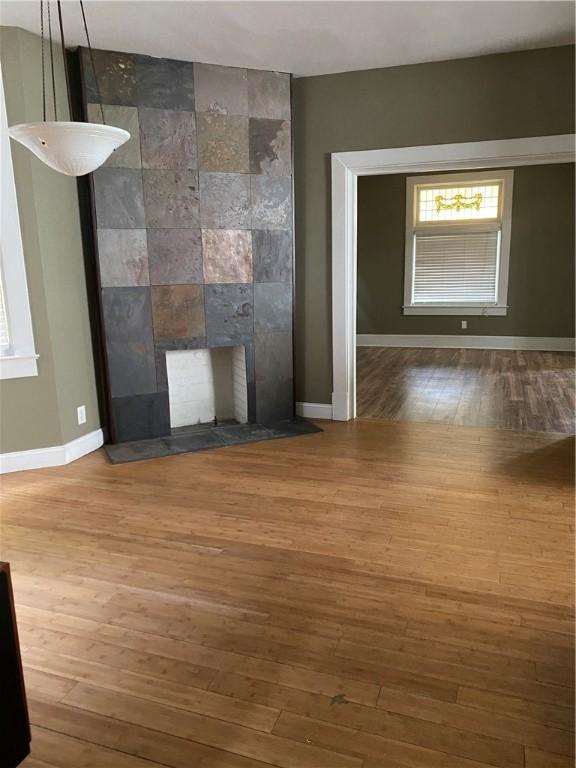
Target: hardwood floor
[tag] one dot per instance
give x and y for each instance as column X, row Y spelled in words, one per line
column 475, row 387
column 379, row 595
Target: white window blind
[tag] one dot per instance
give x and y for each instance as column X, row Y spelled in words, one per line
column 459, row 268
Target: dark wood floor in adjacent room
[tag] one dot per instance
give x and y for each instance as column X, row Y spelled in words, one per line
column 380, row 595
column 474, row 387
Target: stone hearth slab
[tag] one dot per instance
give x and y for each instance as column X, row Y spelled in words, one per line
column 206, row 437
column 188, row 443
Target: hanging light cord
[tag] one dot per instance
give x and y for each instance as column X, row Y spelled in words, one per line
column 43, row 64
column 91, row 53
column 65, row 60
column 52, row 62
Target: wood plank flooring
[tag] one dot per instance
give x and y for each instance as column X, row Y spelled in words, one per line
column 379, row 595
column 503, row 389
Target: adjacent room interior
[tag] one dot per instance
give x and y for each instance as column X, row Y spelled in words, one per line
column 287, row 384
column 465, row 308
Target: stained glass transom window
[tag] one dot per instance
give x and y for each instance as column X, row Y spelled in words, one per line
column 470, row 202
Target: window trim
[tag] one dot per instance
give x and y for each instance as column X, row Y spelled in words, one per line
column 21, row 360
column 500, row 306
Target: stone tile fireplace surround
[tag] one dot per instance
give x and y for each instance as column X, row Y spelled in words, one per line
column 193, row 219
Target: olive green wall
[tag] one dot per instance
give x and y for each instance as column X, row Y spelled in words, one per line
column 40, row 411
column 530, row 93
column 541, row 275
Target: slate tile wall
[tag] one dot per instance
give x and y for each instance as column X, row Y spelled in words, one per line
column 194, row 229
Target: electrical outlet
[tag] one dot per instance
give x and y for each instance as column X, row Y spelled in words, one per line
column 81, row 414
column 464, row 324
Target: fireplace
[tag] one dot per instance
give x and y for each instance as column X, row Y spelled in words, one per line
column 207, row 386
column 194, row 251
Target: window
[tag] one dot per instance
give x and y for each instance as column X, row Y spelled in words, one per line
column 4, row 332
column 458, row 243
column 17, row 353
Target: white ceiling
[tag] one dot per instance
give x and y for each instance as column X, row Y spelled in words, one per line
column 309, row 38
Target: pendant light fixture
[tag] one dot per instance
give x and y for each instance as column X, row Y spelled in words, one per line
column 68, row 147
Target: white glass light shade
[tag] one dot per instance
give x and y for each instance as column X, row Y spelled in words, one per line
column 68, row 147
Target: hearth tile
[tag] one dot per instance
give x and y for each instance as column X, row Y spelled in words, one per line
column 141, row 417
column 270, row 150
column 169, row 345
column 271, row 202
column 118, row 198
column 142, row 450
column 274, row 401
column 269, row 94
column 171, row 199
column 164, row 83
column 293, row 427
column 131, row 368
column 243, row 433
column 225, row 201
column 128, row 155
column 122, row 257
column 227, row 255
column 223, row 143
column 178, row 311
column 229, row 310
column 175, row 256
column 116, row 74
column 127, row 314
column 272, row 255
column 272, row 307
column 201, row 441
column 168, row 139
column 204, row 437
column 222, row 90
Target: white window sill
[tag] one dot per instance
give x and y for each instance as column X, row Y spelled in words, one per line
column 454, row 310
column 18, row 366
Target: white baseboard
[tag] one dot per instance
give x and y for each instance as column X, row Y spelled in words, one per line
column 535, row 343
column 314, row 410
column 54, row 456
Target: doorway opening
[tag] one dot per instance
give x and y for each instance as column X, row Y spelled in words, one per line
column 346, row 169
column 439, row 339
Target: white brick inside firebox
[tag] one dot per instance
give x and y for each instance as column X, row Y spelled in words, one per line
column 204, row 384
